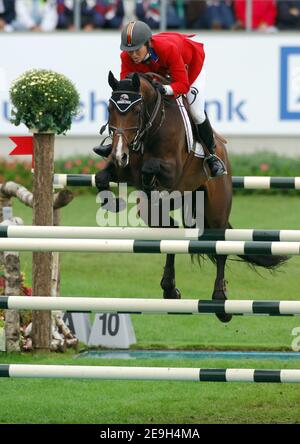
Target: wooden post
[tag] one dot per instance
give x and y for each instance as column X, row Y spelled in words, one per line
column 42, row 215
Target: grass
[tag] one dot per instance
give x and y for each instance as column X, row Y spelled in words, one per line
column 122, row 275
column 130, row 402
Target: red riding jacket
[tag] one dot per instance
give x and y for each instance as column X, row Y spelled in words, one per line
column 174, row 54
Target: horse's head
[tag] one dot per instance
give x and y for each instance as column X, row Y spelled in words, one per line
column 126, row 115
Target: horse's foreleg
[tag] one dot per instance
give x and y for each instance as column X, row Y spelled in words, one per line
column 150, row 171
column 158, row 170
column 102, row 180
column 219, row 292
column 103, row 177
column 167, row 282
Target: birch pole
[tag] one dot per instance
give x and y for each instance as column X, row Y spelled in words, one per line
column 12, row 288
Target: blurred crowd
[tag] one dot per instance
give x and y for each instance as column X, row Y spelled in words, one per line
column 49, row 15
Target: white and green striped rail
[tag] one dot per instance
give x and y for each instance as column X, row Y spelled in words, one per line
column 150, row 246
column 149, row 373
column 151, row 306
column 145, row 233
column 238, row 182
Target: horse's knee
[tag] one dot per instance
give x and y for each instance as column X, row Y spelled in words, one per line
column 151, row 167
column 102, row 180
column 103, row 177
column 150, row 170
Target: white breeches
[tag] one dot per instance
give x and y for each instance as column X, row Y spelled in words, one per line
column 196, row 97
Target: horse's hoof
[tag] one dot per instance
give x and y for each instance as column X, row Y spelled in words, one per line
column 221, row 296
column 173, row 293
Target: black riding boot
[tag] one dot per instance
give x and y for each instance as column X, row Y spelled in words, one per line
column 103, row 151
column 206, row 135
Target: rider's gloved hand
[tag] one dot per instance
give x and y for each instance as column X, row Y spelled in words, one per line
column 160, row 87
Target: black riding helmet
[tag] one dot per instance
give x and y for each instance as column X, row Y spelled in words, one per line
column 134, row 35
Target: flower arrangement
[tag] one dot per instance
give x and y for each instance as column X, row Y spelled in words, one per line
column 44, row 100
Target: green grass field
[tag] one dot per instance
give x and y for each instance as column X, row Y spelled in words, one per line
column 128, row 275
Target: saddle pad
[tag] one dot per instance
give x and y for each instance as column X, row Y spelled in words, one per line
column 193, row 145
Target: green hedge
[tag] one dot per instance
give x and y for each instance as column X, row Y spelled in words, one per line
column 16, row 171
column 262, row 164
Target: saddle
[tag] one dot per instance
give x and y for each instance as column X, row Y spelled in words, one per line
column 189, row 125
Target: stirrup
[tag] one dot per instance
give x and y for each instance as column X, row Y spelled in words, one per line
column 211, row 156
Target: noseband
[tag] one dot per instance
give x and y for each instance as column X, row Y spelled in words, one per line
column 124, row 101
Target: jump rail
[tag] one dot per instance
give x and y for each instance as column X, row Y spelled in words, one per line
column 143, row 233
column 150, row 246
column 153, row 306
column 238, row 182
column 149, row 373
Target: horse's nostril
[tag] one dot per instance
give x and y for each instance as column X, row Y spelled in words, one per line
column 124, row 159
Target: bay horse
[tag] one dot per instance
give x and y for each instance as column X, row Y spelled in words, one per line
column 149, row 152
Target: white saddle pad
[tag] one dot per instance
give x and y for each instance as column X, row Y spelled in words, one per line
column 193, row 145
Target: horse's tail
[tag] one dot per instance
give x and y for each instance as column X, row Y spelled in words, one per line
column 260, row 260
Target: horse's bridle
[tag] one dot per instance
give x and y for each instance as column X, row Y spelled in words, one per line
column 141, row 132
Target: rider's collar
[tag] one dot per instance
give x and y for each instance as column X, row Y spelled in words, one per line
column 151, row 56
column 124, row 100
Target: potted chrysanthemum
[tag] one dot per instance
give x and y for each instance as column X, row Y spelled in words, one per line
column 45, row 101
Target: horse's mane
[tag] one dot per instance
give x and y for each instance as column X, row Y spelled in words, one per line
column 151, row 77
column 144, row 76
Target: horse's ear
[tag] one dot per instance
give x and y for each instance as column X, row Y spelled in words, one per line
column 136, row 81
column 113, row 82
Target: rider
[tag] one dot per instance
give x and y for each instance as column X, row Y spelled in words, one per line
column 181, row 57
